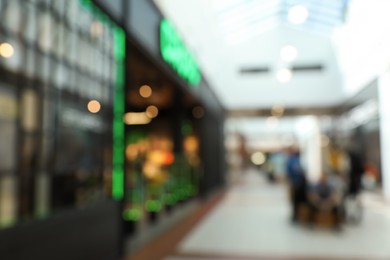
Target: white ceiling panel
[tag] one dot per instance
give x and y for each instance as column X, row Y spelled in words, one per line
column 229, row 35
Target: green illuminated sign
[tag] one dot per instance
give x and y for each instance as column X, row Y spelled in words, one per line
column 175, row 53
column 119, row 109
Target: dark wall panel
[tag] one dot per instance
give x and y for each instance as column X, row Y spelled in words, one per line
column 113, row 7
column 143, row 21
column 85, row 234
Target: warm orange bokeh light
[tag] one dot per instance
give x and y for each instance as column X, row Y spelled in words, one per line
column 145, row 91
column 151, row 111
column 94, row 106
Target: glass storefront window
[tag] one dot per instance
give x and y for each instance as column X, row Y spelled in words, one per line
column 30, row 25
column 71, row 12
column 29, row 110
column 45, row 36
column 8, row 114
column 57, row 39
column 12, row 16
column 62, row 66
column 13, row 61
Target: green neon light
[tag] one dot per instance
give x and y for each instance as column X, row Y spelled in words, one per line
column 132, row 214
column 119, row 110
column 153, row 205
column 175, row 53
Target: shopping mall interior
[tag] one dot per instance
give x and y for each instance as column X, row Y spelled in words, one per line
column 196, row 129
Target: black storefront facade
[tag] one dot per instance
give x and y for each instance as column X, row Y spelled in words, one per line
column 187, row 132
column 68, row 166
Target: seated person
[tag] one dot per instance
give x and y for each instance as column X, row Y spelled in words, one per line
column 323, row 196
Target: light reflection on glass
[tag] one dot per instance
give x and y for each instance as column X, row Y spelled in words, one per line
column 145, row 91
column 94, row 106
column 151, row 111
column 6, row 50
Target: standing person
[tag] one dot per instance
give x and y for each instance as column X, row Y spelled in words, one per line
column 356, row 170
column 297, row 181
column 353, row 204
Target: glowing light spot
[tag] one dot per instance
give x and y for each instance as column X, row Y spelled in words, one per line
column 151, row 111
column 6, row 50
column 288, row 53
column 272, row 122
column 258, row 158
column 284, row 75
column 298, row 14
column 145, row 91
column 94, row 106
column 135, row 118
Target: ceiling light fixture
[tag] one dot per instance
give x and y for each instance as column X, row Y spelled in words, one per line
column 298, row 14
column 288, row 53
column 284, row 75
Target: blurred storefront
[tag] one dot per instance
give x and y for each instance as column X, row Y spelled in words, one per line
column 74, row 80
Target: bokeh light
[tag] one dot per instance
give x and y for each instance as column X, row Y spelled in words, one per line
column 298, row 14
column 6, row 50
column 145, row 91
column 284, row 75
column 258, row 158
column 94, row 106
column 288, row 53
column 151, row 111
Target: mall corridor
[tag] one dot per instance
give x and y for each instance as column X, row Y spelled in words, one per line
column 251, row 221
column 125, row 126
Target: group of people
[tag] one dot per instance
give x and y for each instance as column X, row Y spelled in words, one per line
column 340, row 180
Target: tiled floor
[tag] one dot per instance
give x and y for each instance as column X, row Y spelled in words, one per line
column 251, row 222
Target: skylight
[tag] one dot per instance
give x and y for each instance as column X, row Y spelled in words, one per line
column 240, row 20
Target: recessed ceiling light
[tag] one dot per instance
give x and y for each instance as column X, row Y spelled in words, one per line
column 298, row 14
column 288, row 53
column 284, row 75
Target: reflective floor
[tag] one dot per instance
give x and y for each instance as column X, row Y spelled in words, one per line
column 252, row 222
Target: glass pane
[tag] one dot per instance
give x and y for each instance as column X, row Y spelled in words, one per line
column 29, row 110
column 13, row 61
column 30, row 63
column 8, row 201
column 12, row 18
column 8, row 114
column 30, row 27
column 45, row 40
